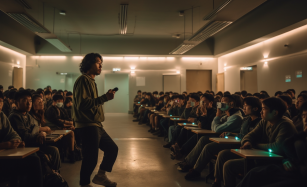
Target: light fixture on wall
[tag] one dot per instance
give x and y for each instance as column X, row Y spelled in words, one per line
column 132, row 71
column 123, row 19
column 265, row 63
column 178, row 72
column 116, row 69
column 58, row 73
column 211, row 15
column 225, row 64
column 62, row 12
column 18, row 62
column 132, row 67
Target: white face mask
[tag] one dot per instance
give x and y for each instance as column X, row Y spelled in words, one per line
column 59, row 105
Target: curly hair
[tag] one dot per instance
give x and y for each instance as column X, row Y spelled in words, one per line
column 88, row 61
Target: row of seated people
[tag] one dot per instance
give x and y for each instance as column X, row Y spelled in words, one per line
column 27, row 126
column 262, row 122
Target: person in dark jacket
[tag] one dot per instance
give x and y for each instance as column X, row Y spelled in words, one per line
column 57, row 115
column 28, row 128
column 88, row 115
column 8, row 103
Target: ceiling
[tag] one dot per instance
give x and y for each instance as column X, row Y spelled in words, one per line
column 146, row 19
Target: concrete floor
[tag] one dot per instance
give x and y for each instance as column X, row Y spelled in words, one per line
column 142, row 161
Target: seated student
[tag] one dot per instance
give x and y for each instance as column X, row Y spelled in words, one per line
column 148, row 102
column 67, row 106
column 265, row 93
column 202, row 154
column 1, row 88
column 28, row 128
column 161, row 94
column 157, row 118
column 47, row 99
column 152, row 116
column 243, row 94
column 270, row 133
column 298, row 120
column 288, row 102
column 57, row 115
column 292, row 109
column 257, row 95
column 278, row 93
column 185, row 93
column 9, row 103
column 10, row 87
column 138, row 97
column 68, row 94
column 29, row 166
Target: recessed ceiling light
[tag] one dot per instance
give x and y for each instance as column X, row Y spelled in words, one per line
column 63, row 13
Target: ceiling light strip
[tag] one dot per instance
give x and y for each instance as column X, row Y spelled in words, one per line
column 123, row 18
column 215, row 11
column 25, row 4
column 209, row 30
column 27, row 22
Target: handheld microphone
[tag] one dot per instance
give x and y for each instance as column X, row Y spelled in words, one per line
column 115, row 89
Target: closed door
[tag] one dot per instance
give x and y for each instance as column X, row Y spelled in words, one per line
column 248, row 80
column 18, row 77
column 171, row 83
column 120, row 104
column 220, row 82
column 198, row 80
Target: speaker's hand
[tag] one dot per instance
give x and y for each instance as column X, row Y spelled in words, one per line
column 110, row 94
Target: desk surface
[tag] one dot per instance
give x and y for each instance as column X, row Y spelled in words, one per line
column 192, row 128
column 255, row 154
column 205, row 132
column 167, row 116
column 17, row 153
column 178, row 119
column 225, row 140
column 61, row 132
column 188, row 124
column 53, row 138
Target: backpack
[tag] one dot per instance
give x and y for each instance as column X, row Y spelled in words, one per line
column 54, row 180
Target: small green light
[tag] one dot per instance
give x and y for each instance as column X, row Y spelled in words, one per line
column 184, row 123
column 192, row 123
column 138, row 102
column 170, row 115
column 237, row 138
column 299, row 76
column 226, row 137
column 270, row 150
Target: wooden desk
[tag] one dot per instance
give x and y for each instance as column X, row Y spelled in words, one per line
column 61, row 132
column 149, row 108
column 138, row 104
column 205, row 132
column 18, row 153
column 192, row 128
column 252, row 154
column 178, row 119
column 188, row 124
column 53, row 138
column 167, row 116
column 225, row 140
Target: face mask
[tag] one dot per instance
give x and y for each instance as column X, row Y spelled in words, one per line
column 59, row 105
column 192, row 104
column 226, row 107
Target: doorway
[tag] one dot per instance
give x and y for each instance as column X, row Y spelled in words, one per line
column 198, row 80
column 248, row 80
column 120, row 104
